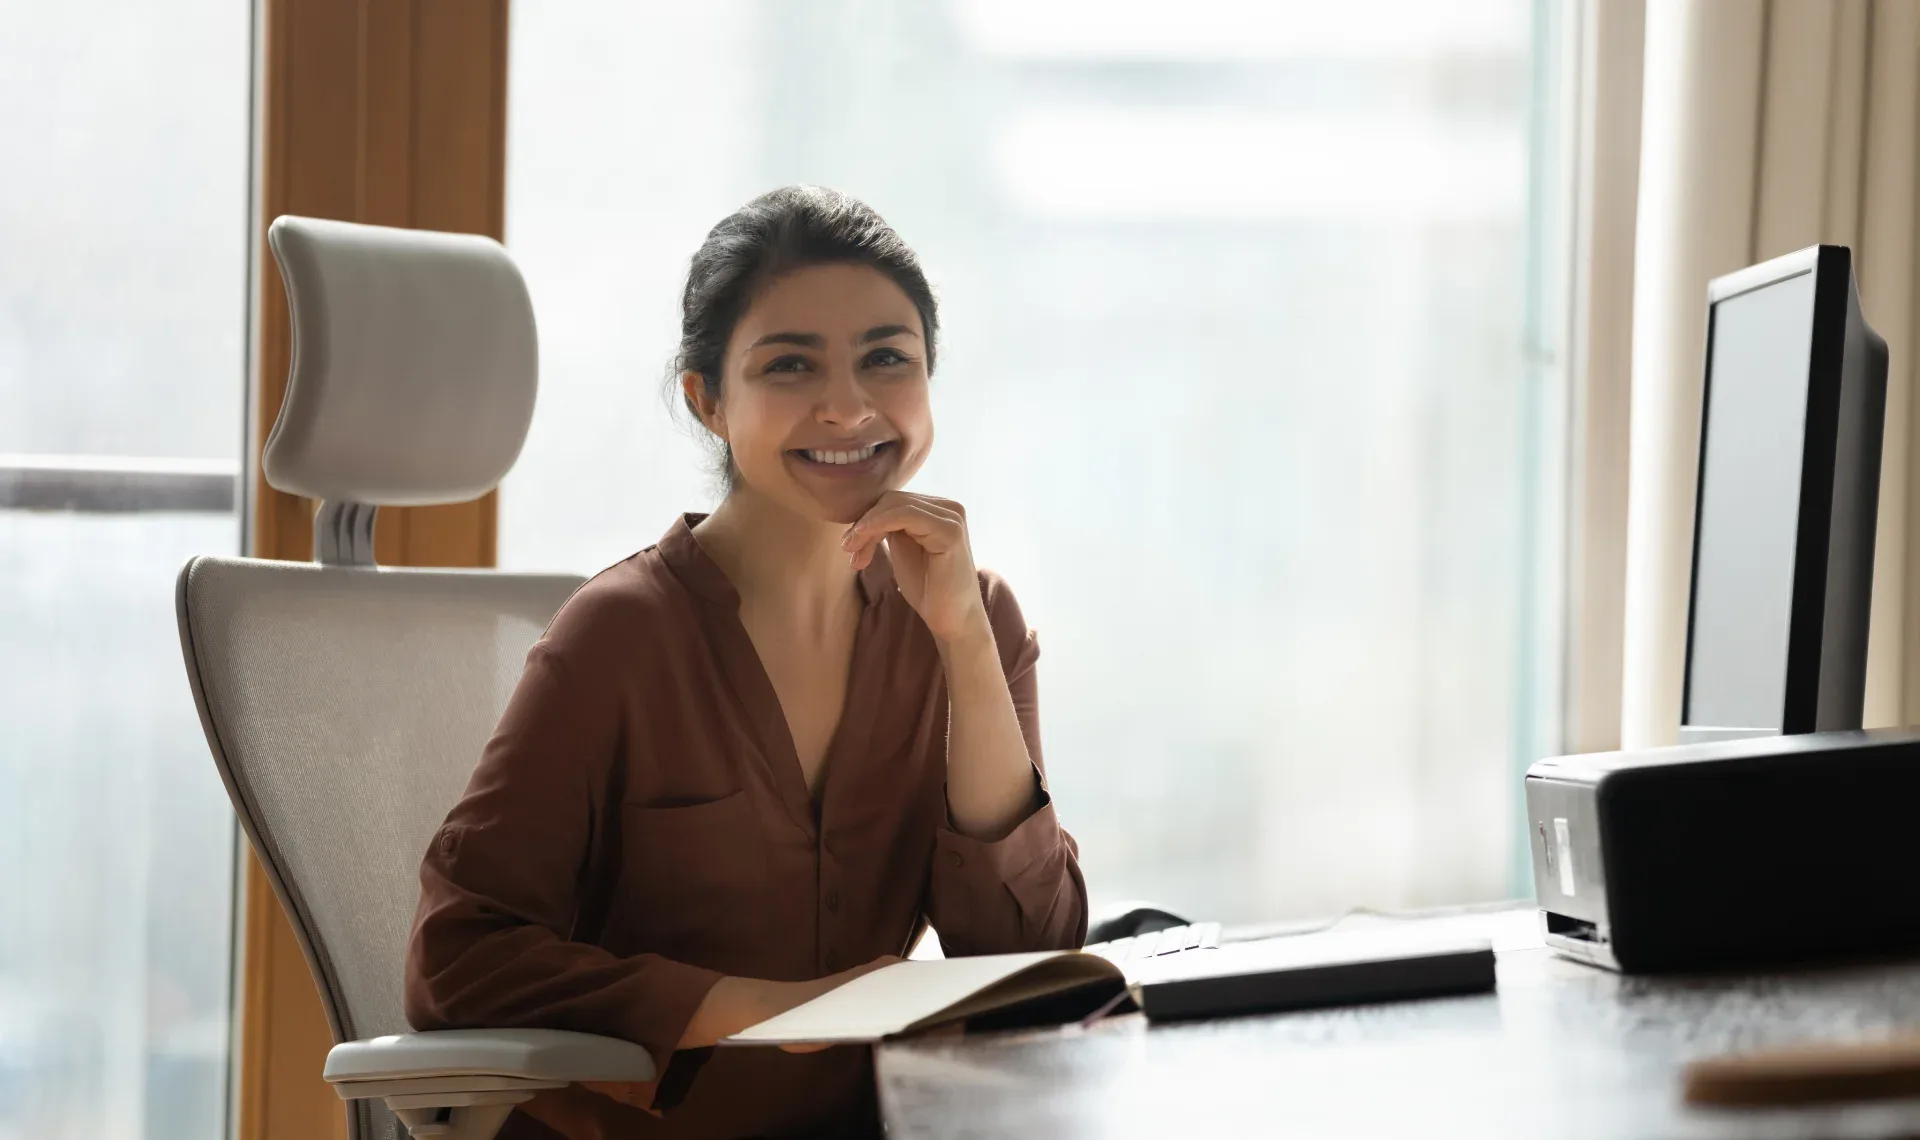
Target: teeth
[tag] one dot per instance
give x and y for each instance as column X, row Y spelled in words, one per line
column 839, row 457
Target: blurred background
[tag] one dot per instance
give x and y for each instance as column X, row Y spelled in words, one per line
column 1238, row 381
column 1292, row 357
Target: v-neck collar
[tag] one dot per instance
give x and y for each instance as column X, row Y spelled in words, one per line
column 690, row 563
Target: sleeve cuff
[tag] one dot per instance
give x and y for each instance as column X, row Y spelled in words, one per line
column 1009, row 858
column 657, row 1019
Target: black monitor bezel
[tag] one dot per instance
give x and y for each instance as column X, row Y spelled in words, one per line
column 1832, row 269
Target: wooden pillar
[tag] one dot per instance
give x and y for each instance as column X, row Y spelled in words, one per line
column 391, row 112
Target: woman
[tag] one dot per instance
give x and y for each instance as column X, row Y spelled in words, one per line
column 755, row 760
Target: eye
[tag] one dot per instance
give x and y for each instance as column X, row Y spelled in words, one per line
column 792, row 362
column 885, row 358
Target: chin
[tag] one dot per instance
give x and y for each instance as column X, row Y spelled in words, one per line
column 839, row 502
column 845, row 512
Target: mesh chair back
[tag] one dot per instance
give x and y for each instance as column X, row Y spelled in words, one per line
column 346, row 707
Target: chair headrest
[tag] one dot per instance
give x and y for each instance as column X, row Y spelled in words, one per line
column 414, row 364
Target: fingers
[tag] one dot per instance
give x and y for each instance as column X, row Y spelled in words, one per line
column 935, row 525
column 921, row 520
column 894, row 503
column 935, row 500
column 930, row 529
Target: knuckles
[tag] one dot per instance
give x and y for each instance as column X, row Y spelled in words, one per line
column 892, row 503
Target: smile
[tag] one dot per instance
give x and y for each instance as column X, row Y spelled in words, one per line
column 853, row 458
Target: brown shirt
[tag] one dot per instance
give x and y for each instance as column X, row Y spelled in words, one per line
column 639, row 826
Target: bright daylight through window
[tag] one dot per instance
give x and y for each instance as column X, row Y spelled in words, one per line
column 1245, row 381
column 123, row 293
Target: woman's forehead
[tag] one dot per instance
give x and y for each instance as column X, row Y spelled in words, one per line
column 828, row 299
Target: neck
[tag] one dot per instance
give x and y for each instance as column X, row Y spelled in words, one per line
column 783, row 565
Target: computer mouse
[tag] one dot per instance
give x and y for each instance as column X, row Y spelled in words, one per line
column 1128, row 919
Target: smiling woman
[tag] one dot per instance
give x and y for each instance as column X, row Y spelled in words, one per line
column 808, row 716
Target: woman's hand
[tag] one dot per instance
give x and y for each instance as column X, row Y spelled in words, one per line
column 827, row 984
column 734, row 1004
column 932, row 560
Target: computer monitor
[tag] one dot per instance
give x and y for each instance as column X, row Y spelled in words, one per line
column 1789, row 482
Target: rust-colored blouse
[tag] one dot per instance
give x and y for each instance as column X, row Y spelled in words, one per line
column 639, row 826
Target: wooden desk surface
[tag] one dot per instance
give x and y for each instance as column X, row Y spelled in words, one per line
column 1561, row 1049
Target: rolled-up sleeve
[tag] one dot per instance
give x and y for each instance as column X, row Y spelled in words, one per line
column 500, row 886
column 1023, row 891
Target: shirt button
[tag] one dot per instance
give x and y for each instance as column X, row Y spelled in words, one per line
column 833, row 899
column 954, row 859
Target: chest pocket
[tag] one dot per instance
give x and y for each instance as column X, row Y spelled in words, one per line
column 692, row 881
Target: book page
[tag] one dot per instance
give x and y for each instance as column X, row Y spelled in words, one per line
column 1053, row 976
column 891, row 1000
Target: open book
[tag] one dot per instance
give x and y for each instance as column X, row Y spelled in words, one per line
column 1006, row 991
column 997, row 991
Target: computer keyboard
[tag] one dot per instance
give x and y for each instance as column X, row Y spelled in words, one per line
column 1159, row 943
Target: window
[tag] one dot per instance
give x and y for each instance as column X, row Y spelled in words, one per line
column 123, row 233
column 1242, row 380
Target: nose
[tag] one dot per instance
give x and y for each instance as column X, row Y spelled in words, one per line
column 844, row 402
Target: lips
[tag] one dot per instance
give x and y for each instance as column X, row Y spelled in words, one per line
column 847, row 460
column 839, row 457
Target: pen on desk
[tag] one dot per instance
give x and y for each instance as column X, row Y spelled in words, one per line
column 1822, row 1071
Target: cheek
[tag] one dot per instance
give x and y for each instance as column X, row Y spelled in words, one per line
column 911, row 414
column 761, row 420
column 908, row 408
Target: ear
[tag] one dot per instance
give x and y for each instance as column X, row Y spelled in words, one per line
column 694, row 386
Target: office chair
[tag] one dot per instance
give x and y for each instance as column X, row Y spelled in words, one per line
column 346, row 703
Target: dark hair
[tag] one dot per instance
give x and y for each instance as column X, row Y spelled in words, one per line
column 778, row 232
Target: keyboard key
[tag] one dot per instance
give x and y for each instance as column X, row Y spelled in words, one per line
column 1159, row 943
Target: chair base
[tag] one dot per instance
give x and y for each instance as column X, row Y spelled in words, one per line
column 460, row 1122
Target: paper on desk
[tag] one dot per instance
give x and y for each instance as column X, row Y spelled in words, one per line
column 1336, row 947
column 1509, row 926
column 1514, row 928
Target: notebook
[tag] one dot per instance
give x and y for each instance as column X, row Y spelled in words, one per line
column 1004, row 991
column 986, row 991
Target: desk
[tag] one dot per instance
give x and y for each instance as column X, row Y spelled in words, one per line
column 1561, row 1049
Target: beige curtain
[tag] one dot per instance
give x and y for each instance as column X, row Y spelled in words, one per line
column 1607, row 175
column 1767, row 125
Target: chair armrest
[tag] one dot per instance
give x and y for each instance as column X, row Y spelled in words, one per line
column 525, row 1054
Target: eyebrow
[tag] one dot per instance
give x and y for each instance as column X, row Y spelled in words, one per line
column 815, row 340
column 804, row 340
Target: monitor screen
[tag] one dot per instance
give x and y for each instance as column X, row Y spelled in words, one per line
column 1754, row 432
